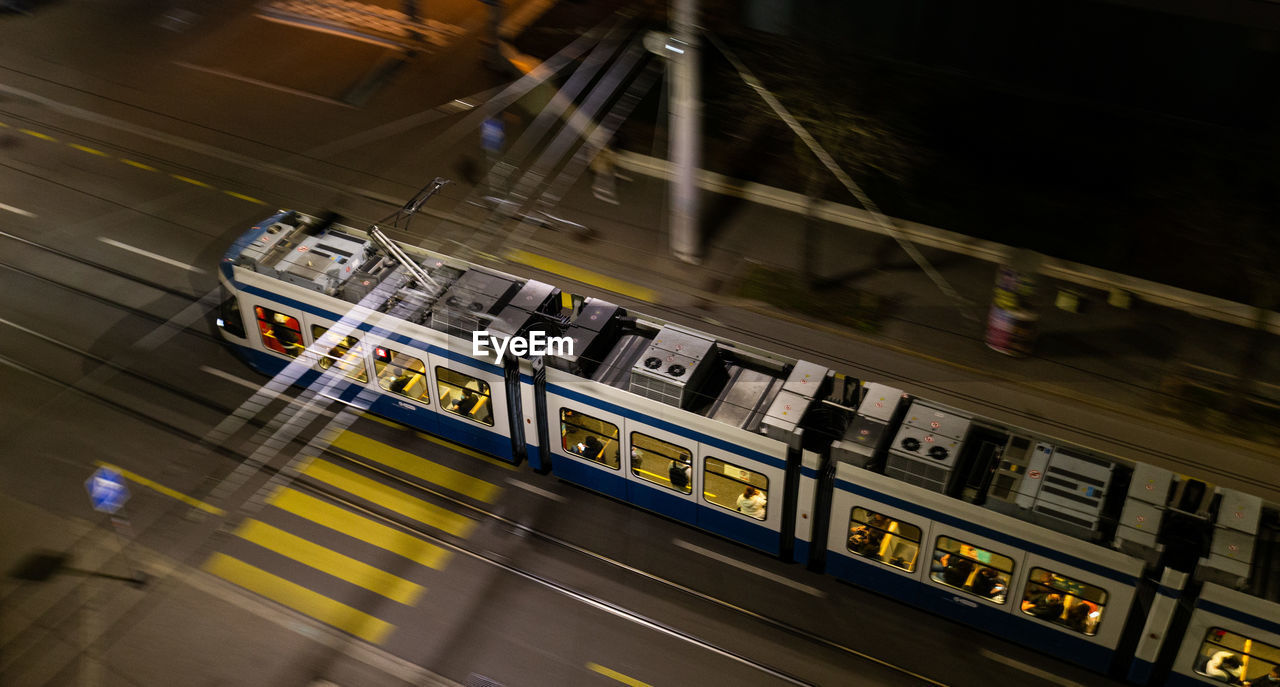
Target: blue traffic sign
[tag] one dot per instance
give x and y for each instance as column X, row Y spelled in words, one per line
column 492, row 135
column 107, row 490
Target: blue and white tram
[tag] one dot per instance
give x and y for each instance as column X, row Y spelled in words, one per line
column 1016, row 536
column 982, row 568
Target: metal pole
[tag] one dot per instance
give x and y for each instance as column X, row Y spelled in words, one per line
column 686, row 132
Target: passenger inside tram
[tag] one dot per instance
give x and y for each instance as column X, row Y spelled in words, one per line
column 1059, row 599
column 752, row 503
column 1225, row 666
column 882, row 538
column 591, row 448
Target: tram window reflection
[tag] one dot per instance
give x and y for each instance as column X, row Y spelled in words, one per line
column 589, row 437
column 972, row 570
column 884, row 539
column 462, row 394
column 280, row 333
column 344, row 353
column 400, row 373
column 735, row 488
column 1062, row 600
column 1234, row 658
column 657, row 461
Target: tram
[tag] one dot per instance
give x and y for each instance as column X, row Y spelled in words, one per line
column 1122, row 567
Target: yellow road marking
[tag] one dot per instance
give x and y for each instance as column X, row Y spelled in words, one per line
column 241, row 196
column 139, row 165
column 331, row 562
column 4, row 126
column 37, row 134
column 87, row 149
column 419, row 467
column 585, row 276
column 155, row 486
column 360, row 527
column 444, row 442
column 610, row 673
column 299, row 598
column 383, row 495
column 189, row 180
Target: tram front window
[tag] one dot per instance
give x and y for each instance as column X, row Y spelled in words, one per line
column 280, row 333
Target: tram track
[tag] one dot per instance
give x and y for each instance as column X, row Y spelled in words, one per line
column 521, row 529
column 240, row 455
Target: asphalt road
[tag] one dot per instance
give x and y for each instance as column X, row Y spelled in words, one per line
column 140, row 170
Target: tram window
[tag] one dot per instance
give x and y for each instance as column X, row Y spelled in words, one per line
column 657, row 461
column 970, row 569
column 229, row 316
column 735, row 488
column 589, row 437
column 400, row 373
column 346, row 354
column 884, row 539
column 280, row 333
column 1057, row 598
column 462, row 394
column 1235, row 658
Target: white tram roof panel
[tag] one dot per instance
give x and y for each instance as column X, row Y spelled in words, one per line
column 733, row 384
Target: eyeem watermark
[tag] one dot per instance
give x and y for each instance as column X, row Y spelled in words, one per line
column 536, row 343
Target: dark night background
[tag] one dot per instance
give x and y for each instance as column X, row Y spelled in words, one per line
column 1126, row 138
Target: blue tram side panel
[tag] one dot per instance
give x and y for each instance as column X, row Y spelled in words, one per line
column 1084, row 556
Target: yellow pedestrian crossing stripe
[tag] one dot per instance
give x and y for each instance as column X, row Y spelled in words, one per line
column 329, row 561
column 419, row 467
column 299, row 598
column 360, row 527
column 391, row 498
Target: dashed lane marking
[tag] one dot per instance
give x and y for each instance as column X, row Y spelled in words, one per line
column 16, row 211
column 416, row 466
column 132, row 163
column 37, row 134
column 149, row 254
column 749, row 568
column 388, row 497
column 442, row 442
column 578, row 274
column 87, row 149
column 139, row 165
column 241, row 196
column 189, row 180
column 299, row 598
column 155, row 486
column 359, row 527
column 521, row 484
column 615, row 675
column 330, row 562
